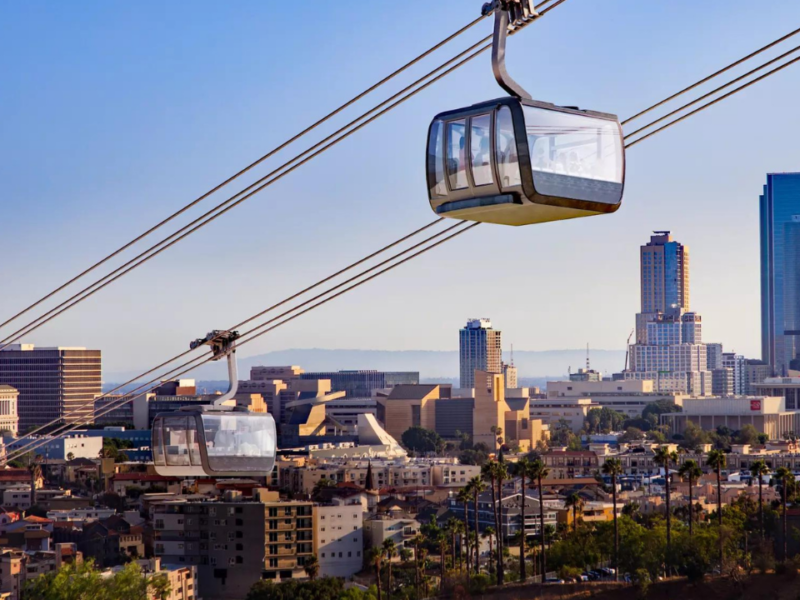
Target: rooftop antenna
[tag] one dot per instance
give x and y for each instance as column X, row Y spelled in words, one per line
column 512, row 355
column 588, row 367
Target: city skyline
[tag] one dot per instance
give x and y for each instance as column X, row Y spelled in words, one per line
column 135, row 164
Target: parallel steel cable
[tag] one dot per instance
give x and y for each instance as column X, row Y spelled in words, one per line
column 294, row 296
column 713, row 102
column 558, row 2
column 114, row 404
column 250, row 166
column 255, row 335
column 270, row 178
column 712, row 92
column 712, row 76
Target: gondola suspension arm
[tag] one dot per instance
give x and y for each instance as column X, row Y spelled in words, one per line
column 507, row 14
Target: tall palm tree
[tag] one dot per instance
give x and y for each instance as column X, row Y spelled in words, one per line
column 441, row 540
column 576, row 503
column 690, row 470
column 464, row 497
column 498, row 436
column 490, row 472
column 613, row 468
column 716, row 460
column 522, row 469
column 374, row 559
column 454, row 528
column 311, row 567
column 785, row 476
column 478, row 486
column 488, row 533
column 538, row 472
column 416, row 541
column 759, row 469
column 389, row 552
column 664, row 458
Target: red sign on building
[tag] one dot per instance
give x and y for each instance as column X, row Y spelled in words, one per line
column 755, row 404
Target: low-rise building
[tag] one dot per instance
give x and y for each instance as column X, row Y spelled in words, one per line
column 9, row 417
column 570, row 464
column 510, row 513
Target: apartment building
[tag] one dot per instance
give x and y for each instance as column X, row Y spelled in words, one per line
column 510, row 514
column 568, row 464
column 12, row 572
column 235, row 542
column 339, row 536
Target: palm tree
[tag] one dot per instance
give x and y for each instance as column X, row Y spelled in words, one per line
column 36, row 474
column 374, row 559
column 523, row 469
column 785, row 476
column 477, row 486
column 406, row 555
column 613, row 468
column 311, row 567
column 442, row 541
column 664, row 458
column 454, row 528
column 463, row 497
column 488, row 533
column 389, row 552
column 538, row 472
column 501, row 470
column 576, row 503
column 717, row 461
column 416, row 541
column 498, row 436
column 691, row 471
column 758, row 469
column 490, row 471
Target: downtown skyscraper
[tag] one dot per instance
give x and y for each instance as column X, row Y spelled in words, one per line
column 669, row 348
column 479, row 348
column 780, row 272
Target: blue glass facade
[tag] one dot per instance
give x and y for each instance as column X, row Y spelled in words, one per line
column 780, row 271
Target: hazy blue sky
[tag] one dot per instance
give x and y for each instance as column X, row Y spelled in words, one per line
column 116, row 113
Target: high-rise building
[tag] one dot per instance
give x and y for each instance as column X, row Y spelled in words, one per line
column 736, row 363
column 714, row 356
column 665, row 274
column 780, row 272
column 511, row 376
column 669, row 348
column 480, row 349
column 52, row 382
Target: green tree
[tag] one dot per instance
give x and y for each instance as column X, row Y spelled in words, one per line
column 747, row 435
column 311, row 567
column 523, row 469
column 664, row 458
column 477, row 486
column 70, row 456
column 78, row 581
column 786, row 478
column 658, row 408
column 759, row 470
column 694, row 436
column 604, row 420
column 716, row 460
column 613, row 468
column 325, row 588
column 375, row 560
column 420, row 439
column 464, row 497
column 690, row 470
column 576, row 503
column 495, row 472
column 389, row 552
column 322, row 484
column 538, row 471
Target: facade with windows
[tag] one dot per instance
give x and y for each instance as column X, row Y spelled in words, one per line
column 480, row 349
column 234, row 543
column 339, row 536
column 780, row 272
column 52, row 382
column 510, row 514
column 9, row 417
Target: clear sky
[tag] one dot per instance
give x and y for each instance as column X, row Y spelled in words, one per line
column 116, row 113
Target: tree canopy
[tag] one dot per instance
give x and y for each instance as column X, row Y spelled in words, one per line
column 326, row 588
column 420, row 439
column 603, row 420
column 85, row 581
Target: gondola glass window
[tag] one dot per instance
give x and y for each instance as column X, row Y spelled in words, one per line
column 574, row 156
column 480, row 145
column 436, row 159
column 232, row 438
column 457, row 154
column 507, row 161
column 177, row 449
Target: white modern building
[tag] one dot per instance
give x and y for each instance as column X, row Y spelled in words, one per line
column 9, row 418
column 339, row 536
column 628, row 397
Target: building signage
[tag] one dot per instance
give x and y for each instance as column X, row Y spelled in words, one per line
column 755, row 404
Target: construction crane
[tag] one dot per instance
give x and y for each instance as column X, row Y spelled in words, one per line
column 628, row 349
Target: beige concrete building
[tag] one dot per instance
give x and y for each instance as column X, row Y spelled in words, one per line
column 9, row 417
column 379, row 528
column 628, row 397
column 12, row 572
column 553, row 410
column 407, row 406
column 767, row 414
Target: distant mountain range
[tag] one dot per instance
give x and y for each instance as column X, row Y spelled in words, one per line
column 433, row 365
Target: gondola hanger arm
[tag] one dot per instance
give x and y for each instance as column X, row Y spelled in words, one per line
column 508, row 15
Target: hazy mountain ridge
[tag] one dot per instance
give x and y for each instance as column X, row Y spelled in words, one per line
column 431, row 364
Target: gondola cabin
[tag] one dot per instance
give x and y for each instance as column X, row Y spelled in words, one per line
column 515, row 161
column 214, row 443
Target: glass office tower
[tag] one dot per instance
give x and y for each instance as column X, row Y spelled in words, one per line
column 780, row 272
